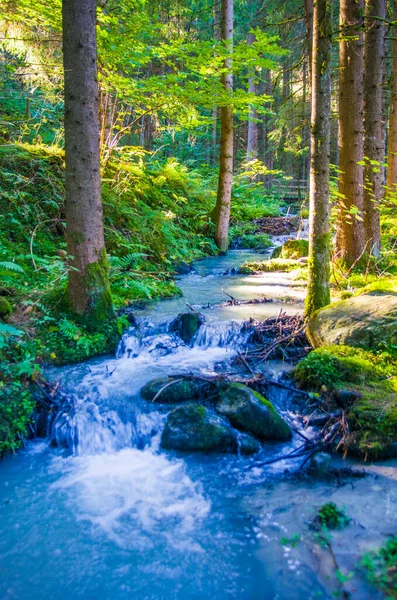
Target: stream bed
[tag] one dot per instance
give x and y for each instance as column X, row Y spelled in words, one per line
column 108, row 515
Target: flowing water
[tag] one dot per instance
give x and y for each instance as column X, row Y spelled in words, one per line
column 107, row 515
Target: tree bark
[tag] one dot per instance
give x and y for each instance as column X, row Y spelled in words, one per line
column 88, row 289
column 222, row 208
column 252, row 133
column 309, row 35
column 318, row 293
column 374, row 131
column 391, row 179
column 215, row 110
column 350, row 228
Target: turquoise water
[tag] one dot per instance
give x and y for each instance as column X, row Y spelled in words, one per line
column 107, row 515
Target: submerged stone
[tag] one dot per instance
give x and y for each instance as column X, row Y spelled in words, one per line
column 365, row 321
column 320, row 463
column 186, row 325
column 251, row 412
column 173, row 390
column 193, row 427
column 247, row 444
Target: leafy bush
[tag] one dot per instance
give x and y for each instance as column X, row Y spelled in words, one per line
column 381, row 567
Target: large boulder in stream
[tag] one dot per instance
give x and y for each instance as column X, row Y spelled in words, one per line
column 186, row 325
column 251, row 412
column 363, row 321
column 194, row 427
column 173, row 390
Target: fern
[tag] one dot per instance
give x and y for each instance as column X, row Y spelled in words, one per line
column 69, row 330
column 124, row 263
column 11, row 266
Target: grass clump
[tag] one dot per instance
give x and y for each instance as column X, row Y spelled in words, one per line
column 381, row 567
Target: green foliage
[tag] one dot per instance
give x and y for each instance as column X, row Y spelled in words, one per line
column 18, row 366
column 381, row 567
column 258, row 241
column 331, row 517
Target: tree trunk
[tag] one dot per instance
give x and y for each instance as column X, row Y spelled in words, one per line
column 374, row 131
column 309, row 35
column 215, row 110
column 350, row 228
column 222, row 208
column 252, row 133
column 318, row 293
column 391, row 179
column 88, row 289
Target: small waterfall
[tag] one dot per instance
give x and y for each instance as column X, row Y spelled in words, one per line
column 86, row 430
column 225, row 334
column 88, row 426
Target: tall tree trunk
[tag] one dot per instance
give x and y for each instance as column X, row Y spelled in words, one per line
column 374, row 131
column 215, row 110
column 88, row 289
column 252, row 133
column 391, row 179
column 222, row 208
column 309, row 35
column 350, row 227
column 318, row 293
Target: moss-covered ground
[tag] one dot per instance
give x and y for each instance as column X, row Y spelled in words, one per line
column 373, row 375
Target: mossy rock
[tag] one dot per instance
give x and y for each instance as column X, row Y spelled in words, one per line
column 5, row 308
column 196, row 428
column 277, row 252
column 174, row 390
column 186, row 325
column 251, row 412
column 364, row 321
column 294, row 249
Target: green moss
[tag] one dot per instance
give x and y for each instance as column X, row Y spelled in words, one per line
column 294, row 249
column 373, row 375
column 332, row 366
column 96, row 281
column 318, row 289
column 5, row 308
column 265, row 266
column 277, row 252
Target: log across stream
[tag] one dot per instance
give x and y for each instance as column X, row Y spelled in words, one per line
column 106, row 514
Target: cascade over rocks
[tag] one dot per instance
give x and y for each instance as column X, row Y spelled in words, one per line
column 186, row 325
column 364, row 321
column 251, row 412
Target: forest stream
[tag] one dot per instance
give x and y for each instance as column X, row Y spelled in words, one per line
column 108, row 515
